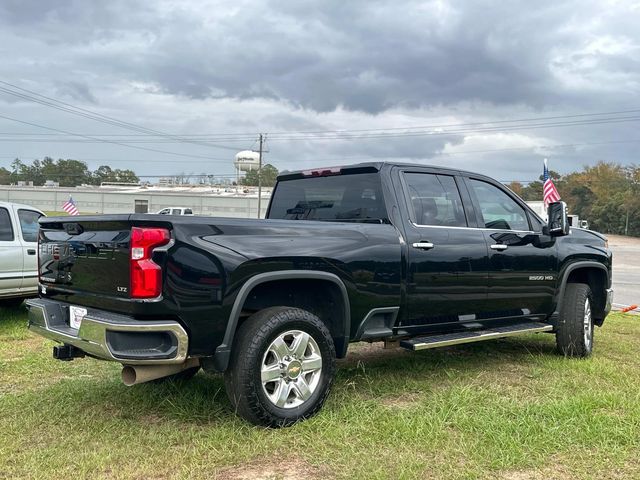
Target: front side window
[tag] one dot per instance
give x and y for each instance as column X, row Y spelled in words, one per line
column 435, row 200
column 29, row 224
column 6, row 230
column 498, row 209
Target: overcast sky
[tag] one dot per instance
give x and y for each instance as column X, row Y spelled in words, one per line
column 244, row 67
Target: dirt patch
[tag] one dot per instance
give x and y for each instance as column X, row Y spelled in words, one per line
column 363, row 352
column 29, row 343
column 401, row 402
column 290, row 469
column 558, row 472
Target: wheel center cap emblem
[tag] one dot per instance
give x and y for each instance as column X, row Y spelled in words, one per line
column 294, row 369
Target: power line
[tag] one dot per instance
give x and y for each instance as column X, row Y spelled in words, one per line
column 250, row 135
column 168, row 175
column 114, row 160
column 356, row 157
column 323, row 134
column 464, row 131
column 66, row 107
column 103, row 140
column 610, row 120
column 532, row 147
column 423, row 127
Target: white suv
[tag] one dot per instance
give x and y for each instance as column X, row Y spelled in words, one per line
column 18, row 252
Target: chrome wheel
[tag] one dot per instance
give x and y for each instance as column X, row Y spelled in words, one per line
column 587, row 324
column 291, row 369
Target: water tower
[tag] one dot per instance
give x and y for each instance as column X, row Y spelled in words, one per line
column 246, row 161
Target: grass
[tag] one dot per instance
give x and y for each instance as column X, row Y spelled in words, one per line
column 51, row 213
column 509, row 409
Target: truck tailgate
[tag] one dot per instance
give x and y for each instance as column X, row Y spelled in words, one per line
column 85, row 255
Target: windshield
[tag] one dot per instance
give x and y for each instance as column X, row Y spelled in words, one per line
column 338, row 198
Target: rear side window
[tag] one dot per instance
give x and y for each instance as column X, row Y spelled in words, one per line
column 188, row 211
column 498, row 209
column 356, row 197
column 435, row 200
column 175, row 211
column 29, row 224
column 6, row 230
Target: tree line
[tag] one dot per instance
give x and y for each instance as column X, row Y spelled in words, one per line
column 606, row 194
column 67, row 172
column 269, row 174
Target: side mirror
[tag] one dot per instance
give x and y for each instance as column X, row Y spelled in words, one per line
column 558, row 224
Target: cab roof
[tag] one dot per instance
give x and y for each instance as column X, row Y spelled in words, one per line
column 365, row 167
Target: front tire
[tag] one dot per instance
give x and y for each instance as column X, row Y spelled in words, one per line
column 282, row 367
column 574, row 337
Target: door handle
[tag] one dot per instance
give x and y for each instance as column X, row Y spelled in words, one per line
column 423, row 245
column 31, row 251
column 499, row 246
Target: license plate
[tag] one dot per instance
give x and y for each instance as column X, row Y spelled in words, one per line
column 76, row 314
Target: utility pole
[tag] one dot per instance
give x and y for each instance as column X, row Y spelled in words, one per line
column 260, row 176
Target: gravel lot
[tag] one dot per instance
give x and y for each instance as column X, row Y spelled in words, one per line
column 626, row 269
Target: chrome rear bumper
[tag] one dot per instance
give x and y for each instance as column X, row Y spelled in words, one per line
column 109, row 336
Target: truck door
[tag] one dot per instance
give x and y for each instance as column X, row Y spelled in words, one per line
column 28, row 223
column 11, row 258
column 446, row 279
column 522, row 262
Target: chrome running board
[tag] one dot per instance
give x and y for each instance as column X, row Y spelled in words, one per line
column 444, row 340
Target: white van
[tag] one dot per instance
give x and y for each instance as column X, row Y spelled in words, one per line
column 18, row 252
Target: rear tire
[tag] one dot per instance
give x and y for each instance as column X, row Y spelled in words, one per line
column 282, row 367
column 574, row 337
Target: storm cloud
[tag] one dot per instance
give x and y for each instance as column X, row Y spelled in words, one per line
column 201, row 67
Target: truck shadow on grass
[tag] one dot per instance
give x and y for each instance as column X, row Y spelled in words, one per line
column 367, row 373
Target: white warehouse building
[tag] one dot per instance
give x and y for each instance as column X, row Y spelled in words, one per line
column 210, row 201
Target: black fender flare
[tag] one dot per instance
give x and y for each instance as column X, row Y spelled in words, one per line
column 223, row 351
column 565, row 277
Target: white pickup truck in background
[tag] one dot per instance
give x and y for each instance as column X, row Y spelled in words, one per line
column 175, row 211
column 18, row 252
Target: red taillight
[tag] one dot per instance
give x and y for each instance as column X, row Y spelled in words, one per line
column 146, row 276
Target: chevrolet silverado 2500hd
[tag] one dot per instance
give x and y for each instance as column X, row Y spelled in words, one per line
column 424, row 256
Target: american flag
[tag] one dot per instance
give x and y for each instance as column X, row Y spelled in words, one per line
column 70, row 207
column 550, row 193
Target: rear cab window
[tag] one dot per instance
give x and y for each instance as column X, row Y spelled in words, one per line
column 29, row 224
column 353, row 197
column 6, row 229
column 434, row 200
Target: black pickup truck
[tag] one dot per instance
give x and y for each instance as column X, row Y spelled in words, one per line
column 411, row 255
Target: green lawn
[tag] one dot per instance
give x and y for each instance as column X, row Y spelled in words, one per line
column 56, row 214
column 509, row 409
